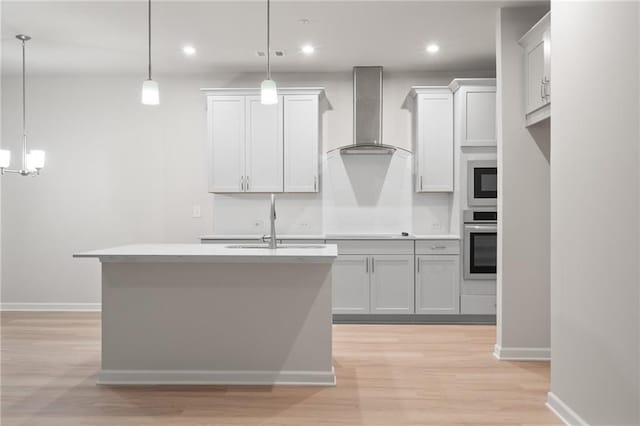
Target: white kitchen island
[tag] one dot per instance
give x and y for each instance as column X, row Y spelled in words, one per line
column 215, row 314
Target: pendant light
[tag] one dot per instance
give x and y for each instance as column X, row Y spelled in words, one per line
column 32, row 161
column 150, row 88
column 268, row 90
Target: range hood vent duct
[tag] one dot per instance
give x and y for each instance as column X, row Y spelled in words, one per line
column 367, row 113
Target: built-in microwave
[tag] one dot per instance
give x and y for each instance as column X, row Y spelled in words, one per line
column 482, row 184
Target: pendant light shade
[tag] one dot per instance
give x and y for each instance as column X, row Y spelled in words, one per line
column 150, row 88
column 150, row 92
column 5, row 158
column 268, row 90
column 35, row 160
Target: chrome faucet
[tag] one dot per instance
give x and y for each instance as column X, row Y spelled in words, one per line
column 273, row 241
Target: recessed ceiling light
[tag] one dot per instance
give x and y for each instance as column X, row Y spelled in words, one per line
column 433, row 48
column 308, row 49
column 189, row 50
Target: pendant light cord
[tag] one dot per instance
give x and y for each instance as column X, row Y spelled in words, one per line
column 24, row 108
column 149, row 27
column 268, row 40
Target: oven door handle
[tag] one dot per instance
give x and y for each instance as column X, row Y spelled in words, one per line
column 485, row 228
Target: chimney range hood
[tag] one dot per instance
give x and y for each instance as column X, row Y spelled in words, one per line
column 367, row 114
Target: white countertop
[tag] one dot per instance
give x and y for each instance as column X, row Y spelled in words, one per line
column 334, row 237
column 214, row 253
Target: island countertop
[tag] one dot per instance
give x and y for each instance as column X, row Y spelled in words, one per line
column 293, row 237
column 214, row 253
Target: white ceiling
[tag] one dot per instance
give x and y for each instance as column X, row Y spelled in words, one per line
column 110, row 37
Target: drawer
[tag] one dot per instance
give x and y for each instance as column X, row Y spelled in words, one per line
column 437, row 247
column 478, row 305
column 373, row 246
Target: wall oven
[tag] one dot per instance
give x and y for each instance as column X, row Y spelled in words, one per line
column 480, row 244
column 482, row 185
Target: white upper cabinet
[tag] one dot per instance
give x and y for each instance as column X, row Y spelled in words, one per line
column 263, row 146
column 259, row 148
column 433, row 119
column 301, row 143
column 475, row 111
column 226, row 124
column 536, row 44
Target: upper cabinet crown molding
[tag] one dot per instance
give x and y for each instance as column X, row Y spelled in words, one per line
column 536, row 44
column 457, row 83
column 254, row 91
column 536, row 32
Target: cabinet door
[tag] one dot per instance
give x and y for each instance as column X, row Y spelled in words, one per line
column 263, row 146
column 435, row 142
column 301, row 138
column 350, row 276
column 437, row 284
column 226, row 128
column 392, row 284
column 478, row 116
column 534, row 63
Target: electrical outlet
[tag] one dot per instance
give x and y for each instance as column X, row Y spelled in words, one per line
column 196, row 212
column 436, row 226
column 303, row 226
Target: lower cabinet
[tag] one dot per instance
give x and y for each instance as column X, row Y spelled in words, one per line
column 380, row 284
column 438, row 284
column 350, row 277
column 391, row 284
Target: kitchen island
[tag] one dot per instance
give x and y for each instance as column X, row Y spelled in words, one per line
column 216, row 314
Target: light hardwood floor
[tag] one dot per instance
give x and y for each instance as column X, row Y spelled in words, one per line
column 387, row 375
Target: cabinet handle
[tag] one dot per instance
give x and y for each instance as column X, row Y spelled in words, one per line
column 242, row 183
column 546, row 84
column 418, row 265
column 373, row 265
column 315, row 183
column 420, row 183
column 542, row 89
column 366, row 264
column 247, row 183
column 438, row 247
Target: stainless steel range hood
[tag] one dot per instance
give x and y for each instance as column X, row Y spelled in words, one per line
column 367, row 113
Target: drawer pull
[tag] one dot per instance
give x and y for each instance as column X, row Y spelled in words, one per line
column 438, row 247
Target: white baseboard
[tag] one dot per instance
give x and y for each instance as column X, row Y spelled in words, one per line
column 51, row 307
column 564, row 412
column 522, row 354
column 212, row 377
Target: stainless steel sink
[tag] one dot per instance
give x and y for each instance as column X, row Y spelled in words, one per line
column 280, row 246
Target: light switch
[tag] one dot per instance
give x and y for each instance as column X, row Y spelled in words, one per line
column 196, row 211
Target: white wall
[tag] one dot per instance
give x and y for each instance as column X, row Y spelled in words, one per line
column 523, row 202
column 595, row 212
column 119, row 172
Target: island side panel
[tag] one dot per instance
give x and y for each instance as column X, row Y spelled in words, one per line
column 216, row 323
